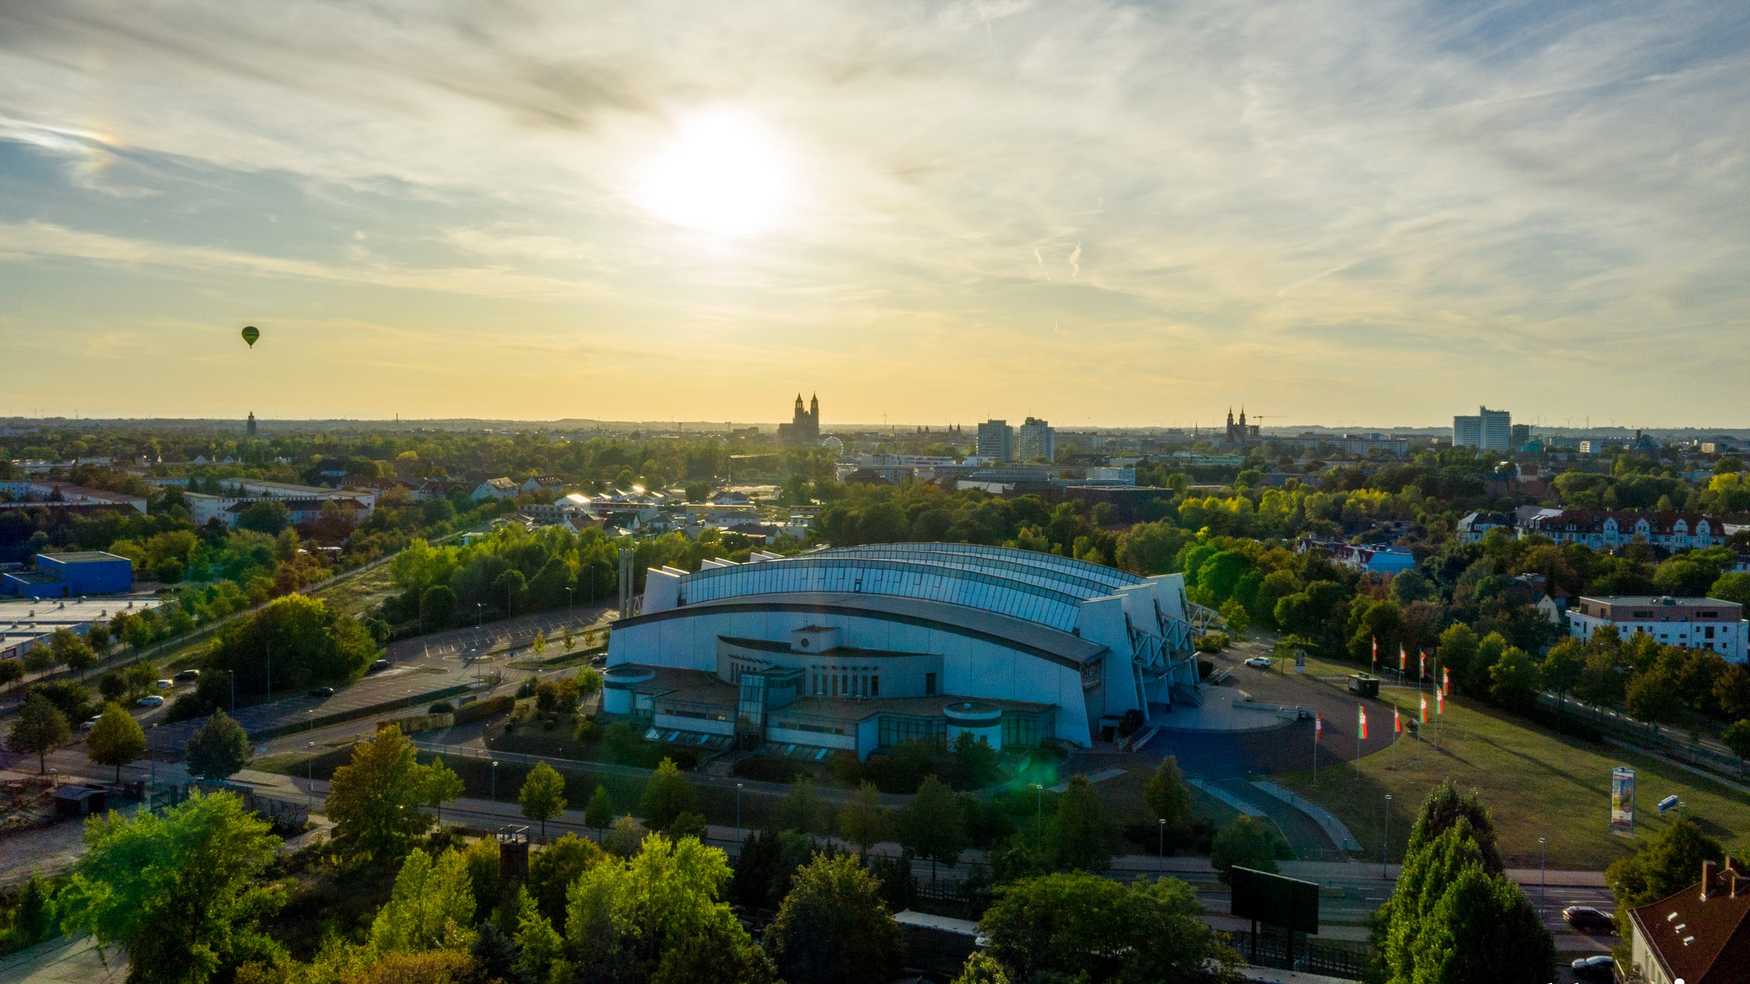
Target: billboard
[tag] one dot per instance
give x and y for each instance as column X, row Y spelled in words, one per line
column 1275, row 900
column 1622, row 800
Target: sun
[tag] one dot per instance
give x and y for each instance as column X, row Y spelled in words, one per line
column 722, row 174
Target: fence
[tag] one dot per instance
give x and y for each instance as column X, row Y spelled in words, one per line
column 1670, row 742
column 1270, row 948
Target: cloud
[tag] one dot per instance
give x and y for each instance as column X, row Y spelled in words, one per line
column 1317, row 190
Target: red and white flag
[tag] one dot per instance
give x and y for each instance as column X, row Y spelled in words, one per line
column 1424, row 708
column 1397, row 724
column 1422, row 667
column 1361, row 722
column 1376, row 652
column 1445, row 680
column 1403, row 657
column 1439, row 702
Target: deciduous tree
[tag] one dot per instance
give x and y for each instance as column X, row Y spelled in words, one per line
column 931, row 825
column 39, row 730
column 376, row 799
column 116, row 739
column 833, row 926
column 543, row 795
column 862, row 820
column 219, row 748
column 667, row 795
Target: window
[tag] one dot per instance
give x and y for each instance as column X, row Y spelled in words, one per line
column 929, row 685
column 874, row 685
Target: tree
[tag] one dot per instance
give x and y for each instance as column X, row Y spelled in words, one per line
column 265, row 516
column 1653, row 696
column 833, row 926
column 1443, row 808
column 39, row 730
column 219, row 749
column 443, row 786
column 931, row 825
column 1562, row 667
column 34, row 920
column 11, row 671
column 1732, row 691
column 1249, row 843
column 430, row 908
column 657, row 916
column 981, row 968
column 375, row 800
column 1483, row 930
column 623, row 838
column 437, row 605
column 1732, row 586
column 599, row 812
column 182, row 892
column 1167, row 795
column 667, row 795
column 1737, row 738
column 1662, row 866
column 71, row 650
column 801, row 808
column 862, row 821
column 116, row 739
column 543, row 795
column 1077, row 925
column 1458, row 651
column 553, row 868
column 1082, row 835
column 1513, row 679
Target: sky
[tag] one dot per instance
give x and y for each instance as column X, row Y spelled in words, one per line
column 1349, row 213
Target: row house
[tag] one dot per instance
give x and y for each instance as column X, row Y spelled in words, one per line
column 1605, row 530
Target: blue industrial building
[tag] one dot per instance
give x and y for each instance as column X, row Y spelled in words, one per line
column 69, row 575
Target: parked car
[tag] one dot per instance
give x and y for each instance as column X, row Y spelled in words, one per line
column 1260, row 662
column 1588, row 920
column 322, row 692
column 1598, row 967
column 166, row 684
column 150, row 700
column 89, row 723
column 379, row 666
column 187, row 676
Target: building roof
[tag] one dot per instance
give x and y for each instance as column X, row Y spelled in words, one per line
column 1659, row 600
column 1031, row 637
column 1022, row 584
column 1703, row 940
column 83, row 557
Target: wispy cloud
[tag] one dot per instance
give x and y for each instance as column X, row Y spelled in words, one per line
column 1295, row 192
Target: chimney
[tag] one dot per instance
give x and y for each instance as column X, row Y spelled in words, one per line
column 1707, row 878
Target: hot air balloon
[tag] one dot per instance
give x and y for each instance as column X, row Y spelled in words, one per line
column 250, row 334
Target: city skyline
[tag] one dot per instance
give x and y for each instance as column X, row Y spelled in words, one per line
column 1135, row 213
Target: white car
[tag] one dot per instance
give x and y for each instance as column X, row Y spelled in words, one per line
column 166, row 684
column 90, row 723
column 1260, row 662
column 150, row 700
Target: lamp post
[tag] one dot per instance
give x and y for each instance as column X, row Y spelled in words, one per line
column 1543, row 871
column 1038, row 812
column 310, row 773
column 1161, row 845
column 479, row 613
column 1385, row 841
column 738, row 819
column 494, row 780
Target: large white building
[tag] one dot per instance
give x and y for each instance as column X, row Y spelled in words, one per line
column 1693, row 623
column 304, row 503
column 1487, row 430
column 858, row 648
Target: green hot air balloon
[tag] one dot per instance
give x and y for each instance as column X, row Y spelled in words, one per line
column 250, row 334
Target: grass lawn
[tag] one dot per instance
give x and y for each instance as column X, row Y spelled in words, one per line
column 1536, row 783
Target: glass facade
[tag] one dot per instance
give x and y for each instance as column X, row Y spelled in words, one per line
column 897, row 728
column 1025, row 729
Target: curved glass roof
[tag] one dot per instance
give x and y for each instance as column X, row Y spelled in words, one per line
column 1020, row 593
column 1008, row 561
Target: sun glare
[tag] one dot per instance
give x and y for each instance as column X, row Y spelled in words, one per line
column 722, row 174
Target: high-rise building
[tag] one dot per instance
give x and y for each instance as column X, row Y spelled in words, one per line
column 1487, row 430
column 1035, row 441
column 996, row 440
column 1521, row 436
column 249, row 428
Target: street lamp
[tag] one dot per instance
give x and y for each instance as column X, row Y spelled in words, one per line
column 1385, row 840
column 738, row 819
column 1161, row 847
column 310, row 773
column 1038, row 811
column 1543, row 871
column 494, row 780
column 479, row 613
